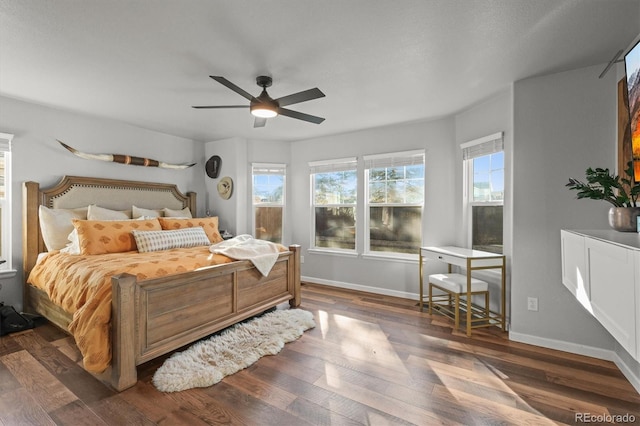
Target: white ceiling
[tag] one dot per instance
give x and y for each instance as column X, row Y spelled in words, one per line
column 378, row 62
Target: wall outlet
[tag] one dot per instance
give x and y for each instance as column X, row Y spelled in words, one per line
column 532, row 303
column 301, row 259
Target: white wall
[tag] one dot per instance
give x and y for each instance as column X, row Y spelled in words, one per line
column 231, row 212
column 36, row 156
column 563, row 123
column 439, row 224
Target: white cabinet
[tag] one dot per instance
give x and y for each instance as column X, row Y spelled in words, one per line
column 601, row 270
column 574, row 270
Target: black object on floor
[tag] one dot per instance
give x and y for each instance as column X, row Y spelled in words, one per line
column 11, row 321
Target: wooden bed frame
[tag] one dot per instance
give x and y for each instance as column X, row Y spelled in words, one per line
column 153, row 317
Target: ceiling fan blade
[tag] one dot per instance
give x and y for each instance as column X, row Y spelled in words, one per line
column 259, row 122
column 232, row 86
column 300, row 115
column 219, row 106
column 303, row 96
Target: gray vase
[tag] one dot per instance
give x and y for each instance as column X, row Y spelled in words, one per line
column 624, row 219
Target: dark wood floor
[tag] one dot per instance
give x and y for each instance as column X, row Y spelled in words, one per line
column 370, row 360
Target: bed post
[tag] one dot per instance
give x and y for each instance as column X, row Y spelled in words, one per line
column 191, row 203
column 123, row 362
column 295, row 301
column 31, row 240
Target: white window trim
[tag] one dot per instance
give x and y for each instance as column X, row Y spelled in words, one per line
column 486, row 145
column 326, row 166
column 275, row 167
column 388, row 160
column 6, row 269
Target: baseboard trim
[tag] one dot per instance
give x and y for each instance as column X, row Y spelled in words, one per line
column 575, row 348
column 365, row 288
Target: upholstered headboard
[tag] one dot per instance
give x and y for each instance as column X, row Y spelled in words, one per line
column 75, row 191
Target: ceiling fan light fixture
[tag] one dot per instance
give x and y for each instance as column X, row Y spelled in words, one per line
column 263, row 111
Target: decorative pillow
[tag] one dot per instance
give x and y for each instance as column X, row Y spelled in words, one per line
column 137, row 212
column 184, row 213
column 110, row 236
column 210, row 225
column 55, row 225
column 73, row 246
column 165, row 240
column 100, row 213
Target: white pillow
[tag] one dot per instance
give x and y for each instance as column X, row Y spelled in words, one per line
column 100, row 213
column 73, row 247
column 184, row 213
column 175, row 238
column 55, row 225
column 137, row 212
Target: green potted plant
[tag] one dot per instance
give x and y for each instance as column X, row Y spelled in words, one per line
column 621, row 192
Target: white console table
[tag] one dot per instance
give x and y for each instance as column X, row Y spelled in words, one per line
column 601, row 268
column 471, row 260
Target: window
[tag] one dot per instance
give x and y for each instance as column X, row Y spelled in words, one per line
column 268, row 201
column 5, row 199
column 334, row 187
column 394, row 201
column 484, row 192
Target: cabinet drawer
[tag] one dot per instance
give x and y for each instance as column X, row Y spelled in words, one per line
column 442, row 257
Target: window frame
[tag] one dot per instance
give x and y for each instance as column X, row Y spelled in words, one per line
column 273, row 169
column 392, row 159
column 328, row 166
column 6, row 269
column 491, row 144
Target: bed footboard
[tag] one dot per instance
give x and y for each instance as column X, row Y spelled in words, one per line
column 153, row 317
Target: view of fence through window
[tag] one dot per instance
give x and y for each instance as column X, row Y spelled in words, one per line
column 268, row 203
column 395, row 201
column 335, row 209
column 487, row 202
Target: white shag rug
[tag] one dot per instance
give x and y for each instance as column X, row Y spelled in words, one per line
column 209, row 361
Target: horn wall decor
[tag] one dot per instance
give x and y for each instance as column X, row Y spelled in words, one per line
column 125, row 159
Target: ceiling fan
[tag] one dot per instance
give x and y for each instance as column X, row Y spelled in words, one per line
column 263, row 106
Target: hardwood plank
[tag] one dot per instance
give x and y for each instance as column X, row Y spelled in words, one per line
column 247, row 383
column 116, row 410
column 492, row 412
column 76, row 413
column 19, row 407
column 144, row 397
column 34, row 377
column 392, row 407
column 248, row 409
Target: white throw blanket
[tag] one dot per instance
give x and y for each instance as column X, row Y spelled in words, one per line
column 263, row 254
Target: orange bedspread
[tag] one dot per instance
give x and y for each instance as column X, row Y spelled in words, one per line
column 81, row 285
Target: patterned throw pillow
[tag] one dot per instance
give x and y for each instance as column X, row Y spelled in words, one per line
column 110, row 236
column 165, row 240
column 210, row 225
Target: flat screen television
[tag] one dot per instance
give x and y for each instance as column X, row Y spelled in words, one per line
column 632, row 68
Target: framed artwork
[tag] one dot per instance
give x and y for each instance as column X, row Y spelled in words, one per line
column 625, row 153
column 632, row 71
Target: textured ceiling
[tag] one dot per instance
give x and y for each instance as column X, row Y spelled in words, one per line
column 378, row 62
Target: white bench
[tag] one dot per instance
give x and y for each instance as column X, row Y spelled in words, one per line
column 455, row 288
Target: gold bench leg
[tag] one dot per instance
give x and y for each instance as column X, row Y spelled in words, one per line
column 486, row 304
column 430, row 297
column 457, row 310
